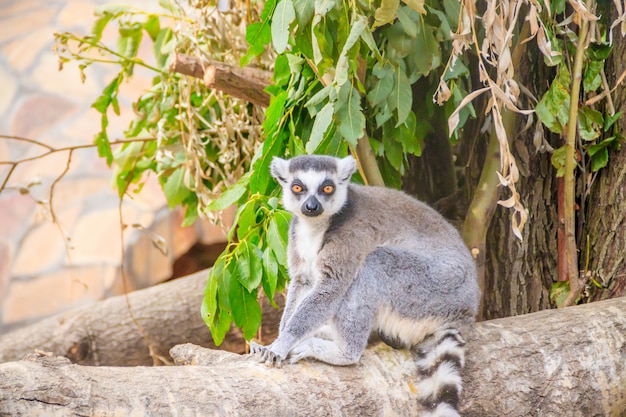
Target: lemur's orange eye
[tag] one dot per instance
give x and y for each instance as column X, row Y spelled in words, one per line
column 296, row 188
column 328, row 189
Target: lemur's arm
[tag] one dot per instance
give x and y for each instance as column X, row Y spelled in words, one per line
column 293, row 295
column 316, row 308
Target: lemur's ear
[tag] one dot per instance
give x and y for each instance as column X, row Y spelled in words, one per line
column 279, row 169
column 346, row 167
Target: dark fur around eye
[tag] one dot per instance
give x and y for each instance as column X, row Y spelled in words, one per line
column 327, row 183
column 297, row 187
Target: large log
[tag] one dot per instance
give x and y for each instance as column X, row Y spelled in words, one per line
column 569, row 362
column 104, row 333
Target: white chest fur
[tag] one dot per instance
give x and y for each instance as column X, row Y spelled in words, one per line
column 307, row 244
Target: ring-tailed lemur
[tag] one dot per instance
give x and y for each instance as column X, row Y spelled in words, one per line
column 368, row 260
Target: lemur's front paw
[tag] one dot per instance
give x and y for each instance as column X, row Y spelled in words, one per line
column 267, row 355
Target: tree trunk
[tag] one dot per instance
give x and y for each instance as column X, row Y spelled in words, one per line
column 606, row 221
column 105, row 334
column 519, row 274
column 569, row 362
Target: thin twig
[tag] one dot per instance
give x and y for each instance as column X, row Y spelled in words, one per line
column 51, row 151
column 153, row 354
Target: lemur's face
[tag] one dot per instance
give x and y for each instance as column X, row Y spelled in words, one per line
column 314, row 186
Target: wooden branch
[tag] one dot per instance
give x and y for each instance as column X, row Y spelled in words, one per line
column 566, row 362
column 246, row 83
column 481, row 209
column 103, row 334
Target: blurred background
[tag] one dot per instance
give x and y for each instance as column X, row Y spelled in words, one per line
column 48, row 267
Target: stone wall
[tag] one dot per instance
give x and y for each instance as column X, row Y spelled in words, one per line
column 47, row 267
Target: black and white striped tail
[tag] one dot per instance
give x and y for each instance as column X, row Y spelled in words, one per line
column 440, row 361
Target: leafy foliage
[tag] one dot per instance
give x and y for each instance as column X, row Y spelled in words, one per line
column 596, row 126
column 344, row 72
column 202, row 141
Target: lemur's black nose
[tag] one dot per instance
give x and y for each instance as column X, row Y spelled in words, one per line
column 312, row 207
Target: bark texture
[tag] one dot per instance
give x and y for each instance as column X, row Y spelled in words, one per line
column 247, row 83
column 519, row 274
column 606, row 228
column 104, row 334
column 569, row 362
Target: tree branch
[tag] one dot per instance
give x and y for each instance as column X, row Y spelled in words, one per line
column 566, row 362
column 569, row 176
column 104, row 334
column 481, row 210
column 246, row 83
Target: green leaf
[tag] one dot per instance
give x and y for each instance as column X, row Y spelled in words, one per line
column 245, row 308
column 393, row 149
column 386, row 13
column 322, row 121
column 406, row 135
column 590, row 123
column 383, row 114
column 609, row 120
column 368, row 38
column 128, row 44
column 100, row 25
column 109, row 96
column 319, row 97
column 174, row 187
column 249, row 265
column 282, row 72
column 427, row 52
column 245, row 219
column 408, row 25
column 558, row 161
column 270, row 268
column 457, row 71
column 315, row 43
column 599, row 51
column 258, row 35
column 402, row 96
column 599, row 159
column 553, row 108
column 382, row 84
column 284, row 14
column 127, row 155
column 216, row 304
column 231, row 195
column 274, row 112
column 359, row 24
column 593, row 79
column 305, row 9
column 349, row 114
column 209, row 304
column 559, row 292
column 261, row 178
column 323, row 6
column 593, row 149
column 164, row 36
column 417, row 5
column 276, row 235
column 153, row 26
column 191, row 211
column 401, row 43
column 104, row 146
column 224, row 284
